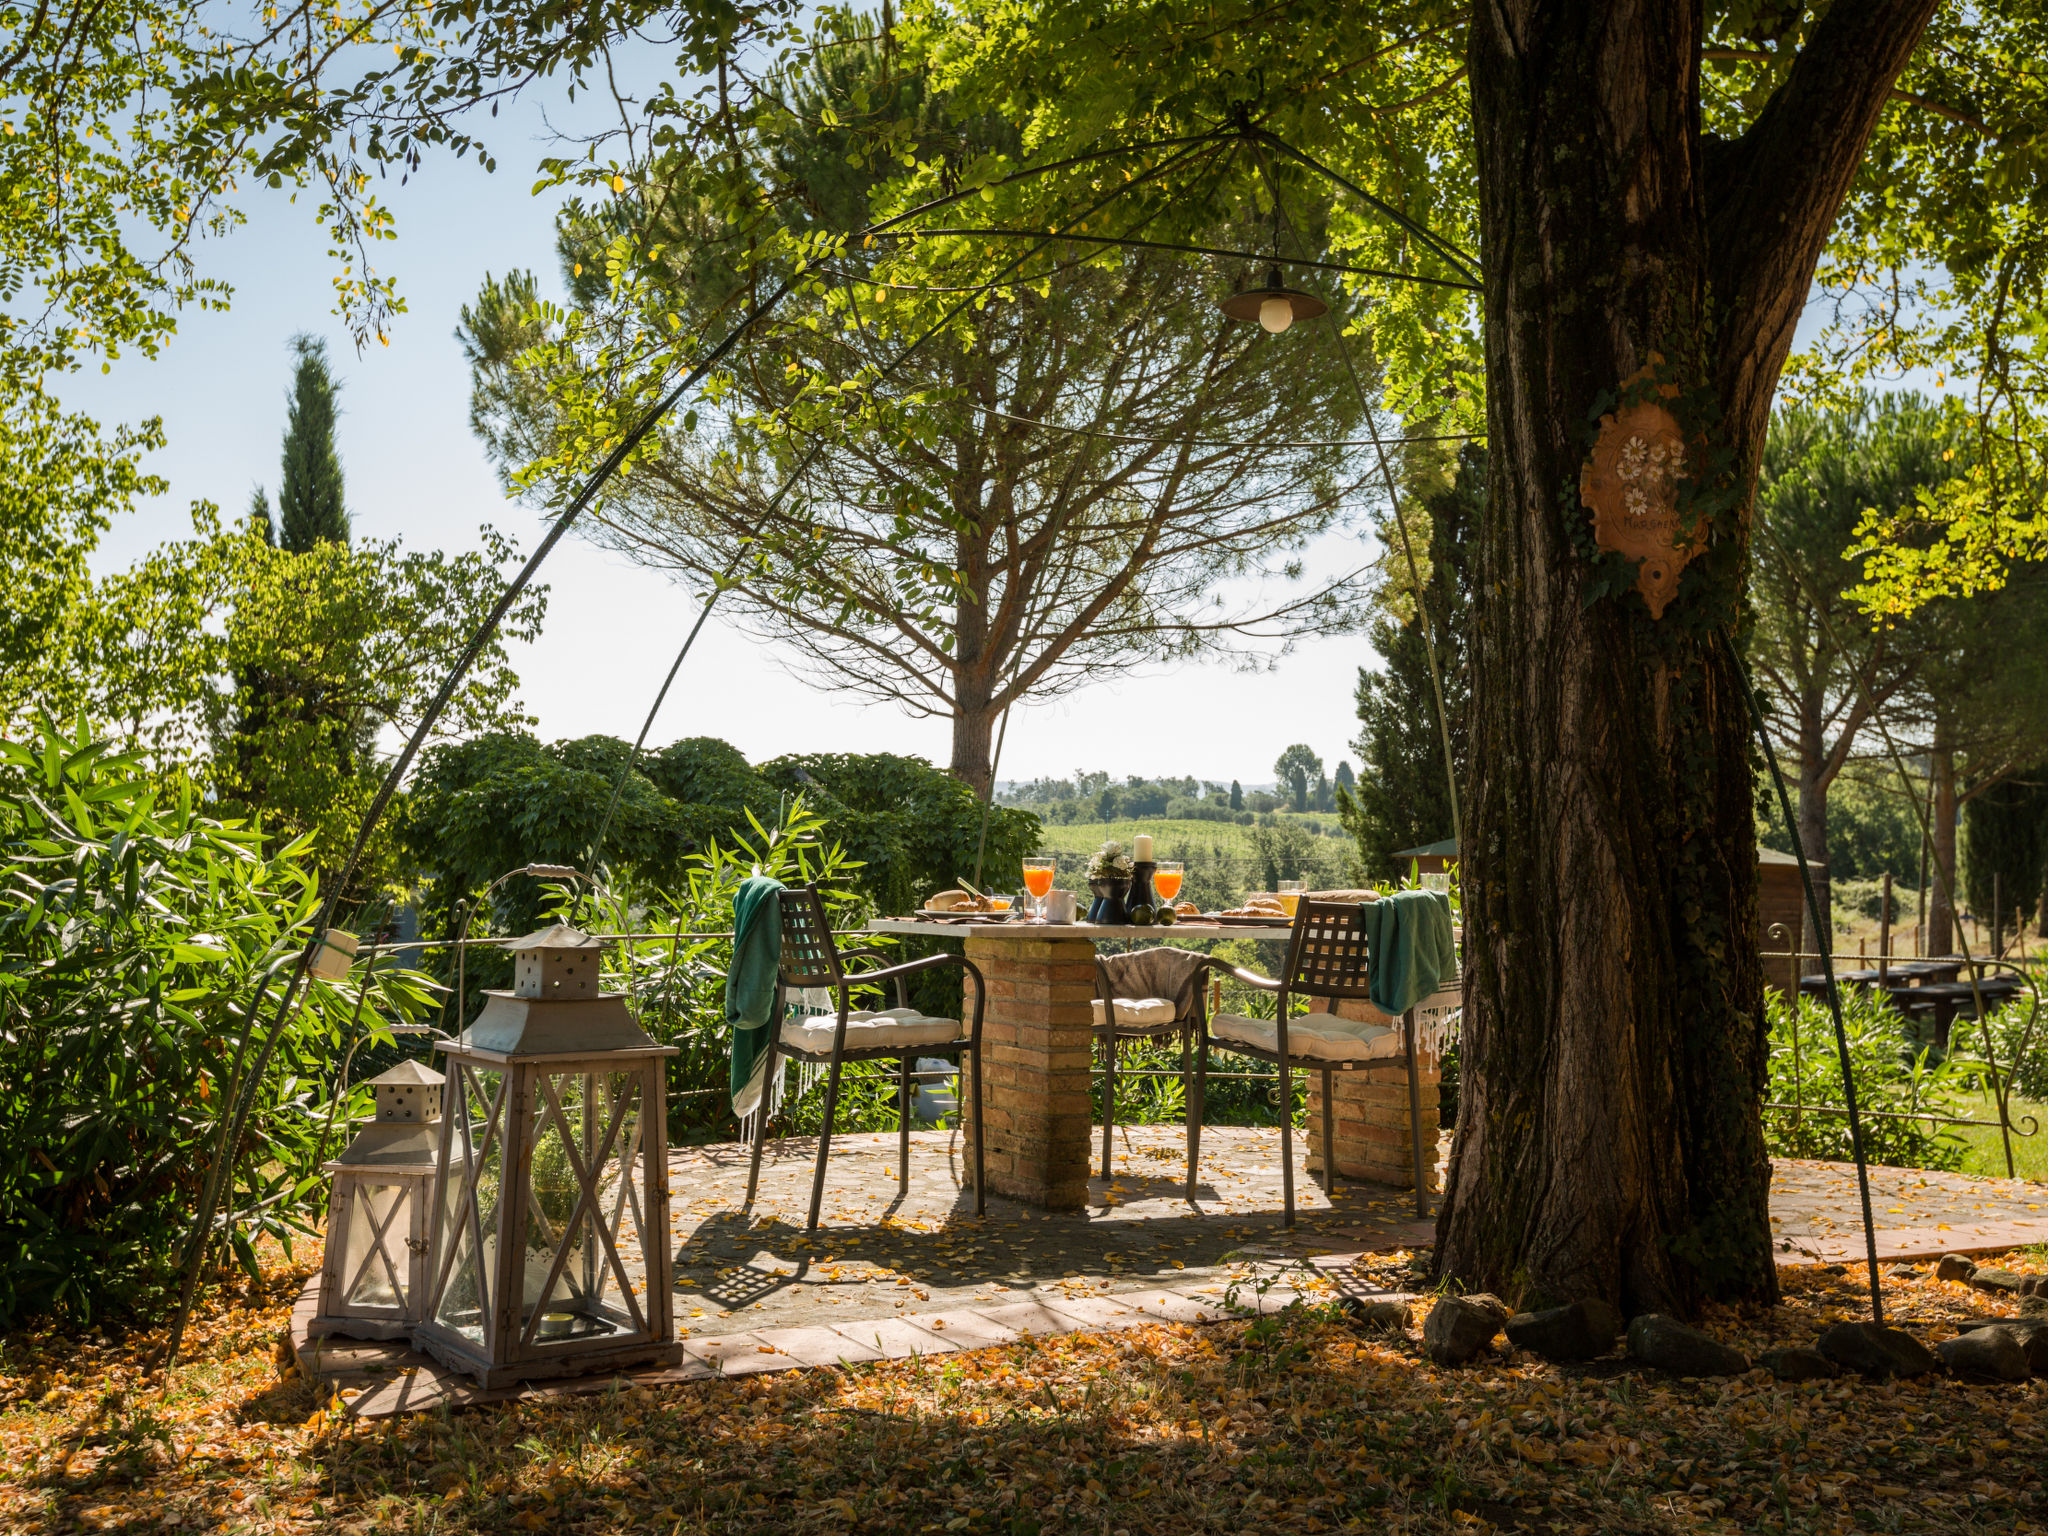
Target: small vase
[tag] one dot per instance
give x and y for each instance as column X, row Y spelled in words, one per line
column 1108, row 908
column 1141, row 894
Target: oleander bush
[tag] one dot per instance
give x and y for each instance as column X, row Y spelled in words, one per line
column 1895, row 1076
column 142, row 942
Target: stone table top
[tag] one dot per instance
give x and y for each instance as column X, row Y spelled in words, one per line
column 1017, row 929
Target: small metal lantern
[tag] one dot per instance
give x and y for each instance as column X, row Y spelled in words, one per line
column 374, row 1282
column 550, row 1252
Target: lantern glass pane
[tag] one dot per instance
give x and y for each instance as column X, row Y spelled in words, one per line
column 373, row 1255
column 564, row 1254
column 469, row 1208
column 624, row 1191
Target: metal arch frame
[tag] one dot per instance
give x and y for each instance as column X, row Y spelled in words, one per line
column 246, row 1070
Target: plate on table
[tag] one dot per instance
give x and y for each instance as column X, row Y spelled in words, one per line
column 960, row 915
column 1229, row 921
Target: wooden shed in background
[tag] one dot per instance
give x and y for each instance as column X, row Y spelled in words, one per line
column 1429, row 858
column 1781, row 903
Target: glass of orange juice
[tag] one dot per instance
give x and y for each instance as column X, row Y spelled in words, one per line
column 1038, row 880
column 1166, row 880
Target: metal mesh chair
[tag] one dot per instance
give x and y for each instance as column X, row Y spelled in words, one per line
column 1149, row 997
column 1327, row 960
column 812, row 958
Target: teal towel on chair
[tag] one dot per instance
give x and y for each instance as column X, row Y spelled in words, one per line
column 750, row 984
column 1408, row 942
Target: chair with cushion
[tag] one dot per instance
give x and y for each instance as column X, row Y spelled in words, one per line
column 810, row 958
column 1327, row 962
column 1149, row 996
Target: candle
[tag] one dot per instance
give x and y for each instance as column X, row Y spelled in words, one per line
column 1141, row 848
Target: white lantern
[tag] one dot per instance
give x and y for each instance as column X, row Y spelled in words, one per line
column 549, row 1252
column 374, row 1282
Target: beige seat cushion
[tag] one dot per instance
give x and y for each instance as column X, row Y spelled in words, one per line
column 1311, row 1037
column 868, row 1031
column 1138, row 1012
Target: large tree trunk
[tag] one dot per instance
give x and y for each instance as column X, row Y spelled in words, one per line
column 1609, row 1141
column 1941, row 907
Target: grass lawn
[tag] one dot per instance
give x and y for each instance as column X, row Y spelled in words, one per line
column 1986, row 1154
column 1300, row 1424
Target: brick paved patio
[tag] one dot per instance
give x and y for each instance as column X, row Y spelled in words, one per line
column 894, row 1271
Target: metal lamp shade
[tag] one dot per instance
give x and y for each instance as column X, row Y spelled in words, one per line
column 549, row 1252
column 373, row 1282
column 1250, row 302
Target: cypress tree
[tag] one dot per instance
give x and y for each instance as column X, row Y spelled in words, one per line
column 1236, row 795
column 259, row 515
column 2005, row 833
column 309, row 501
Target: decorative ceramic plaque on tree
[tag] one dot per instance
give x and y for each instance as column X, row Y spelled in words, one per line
column 1631, row 484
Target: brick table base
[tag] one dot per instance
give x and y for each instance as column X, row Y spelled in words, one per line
column 1374, row 1137
column 1035, row 1060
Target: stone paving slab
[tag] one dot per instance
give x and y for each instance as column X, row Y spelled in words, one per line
column 821, row 1346
column 897, row 1338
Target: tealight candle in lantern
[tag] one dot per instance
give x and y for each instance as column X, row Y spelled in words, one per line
column 1141, row 847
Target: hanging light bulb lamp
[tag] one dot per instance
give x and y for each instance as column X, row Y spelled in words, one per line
column 1275, row 306
column 374, row 1281
column 549, row 1254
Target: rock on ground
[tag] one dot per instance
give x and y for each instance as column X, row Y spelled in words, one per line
column 2031, row 1334
column 1799, row 1364
column 1999, row 1282
column 1955, row 1266
column 1875, row 1351
column 1379, row 1314
column 1668, row 1344
column 1577, row 1332
column 1459, row 1327
column 1987, row 1353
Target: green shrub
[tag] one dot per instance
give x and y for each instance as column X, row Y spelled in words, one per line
column 677, row 984
column 141, row 944
column 1893, row 1076
column 2021, row 1053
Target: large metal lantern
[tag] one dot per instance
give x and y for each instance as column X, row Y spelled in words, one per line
column 374, row 1282
column 550, row 1252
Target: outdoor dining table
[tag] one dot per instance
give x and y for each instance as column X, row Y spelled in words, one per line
column 1037, row 1054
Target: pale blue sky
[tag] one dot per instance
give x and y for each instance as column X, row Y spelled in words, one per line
column 414, row 470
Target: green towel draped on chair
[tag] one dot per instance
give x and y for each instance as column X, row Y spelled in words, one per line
column 1408, row 938
column 750, row 985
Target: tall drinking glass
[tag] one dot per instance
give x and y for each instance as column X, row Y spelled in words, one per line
column 1289, row 892
column 1166, row 880
column 1038, row 880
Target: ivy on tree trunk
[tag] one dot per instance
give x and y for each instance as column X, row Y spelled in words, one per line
column 1609, row 1140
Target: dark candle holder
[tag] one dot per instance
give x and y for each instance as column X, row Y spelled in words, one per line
column 1141, row 893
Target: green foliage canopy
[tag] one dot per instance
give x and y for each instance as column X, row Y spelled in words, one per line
column 283, row 665
column 500, row 800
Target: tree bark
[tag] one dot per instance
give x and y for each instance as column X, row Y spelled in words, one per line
column 1941, row 908
column 973, row 736
column 1609, row 1141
